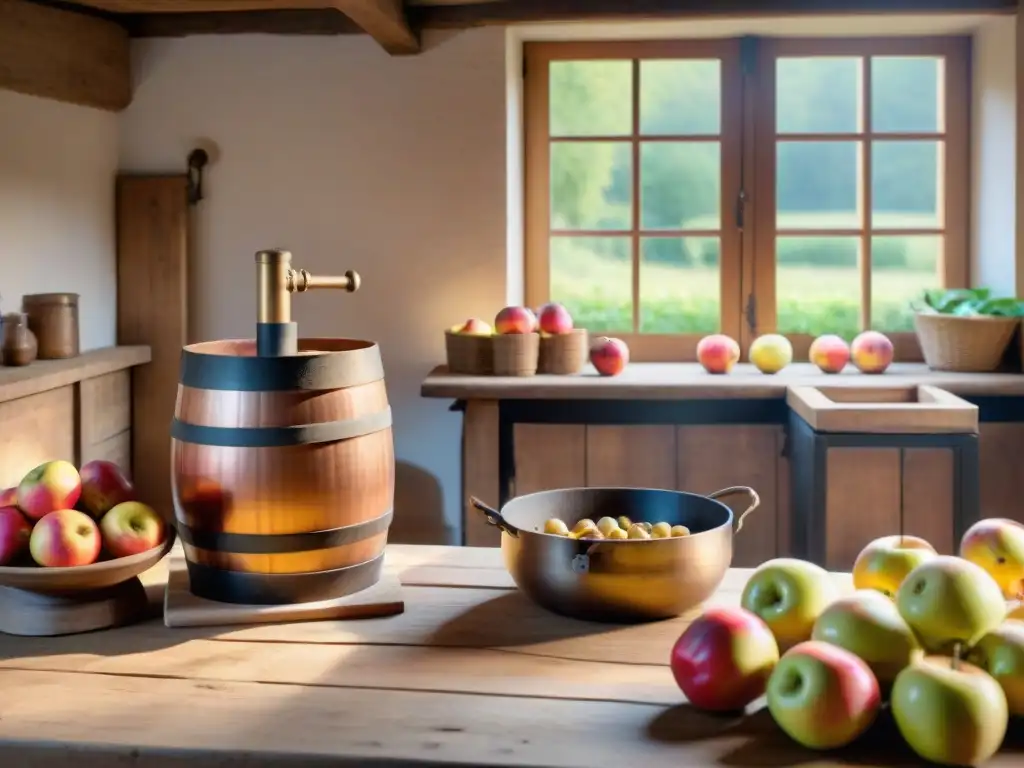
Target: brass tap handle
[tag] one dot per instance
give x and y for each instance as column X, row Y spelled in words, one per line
column 299, row 280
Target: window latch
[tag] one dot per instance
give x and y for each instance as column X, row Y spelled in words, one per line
column 741, row 201
column 751, row 312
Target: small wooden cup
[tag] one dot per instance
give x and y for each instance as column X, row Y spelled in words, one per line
column 516, row 354
column 473, row 355
column 564, row 354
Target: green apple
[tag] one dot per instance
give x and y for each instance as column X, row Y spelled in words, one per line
column 885, row 563
column 789, row 595
column 1001, row 654
column 822, row 696
column 949, row 711
column 868, row 624
column 949, row 601
column 997, row 545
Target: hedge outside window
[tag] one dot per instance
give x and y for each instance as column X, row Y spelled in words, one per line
column 804, row 186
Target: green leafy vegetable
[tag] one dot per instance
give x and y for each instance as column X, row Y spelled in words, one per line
column 968, row 302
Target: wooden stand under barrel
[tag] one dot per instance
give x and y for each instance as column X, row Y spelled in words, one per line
column 283, row 466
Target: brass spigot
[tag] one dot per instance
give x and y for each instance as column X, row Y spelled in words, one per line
column 276, row 281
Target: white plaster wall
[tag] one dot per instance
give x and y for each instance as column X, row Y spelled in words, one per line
column 394, row 167
column 994, row 138
column 57, row 168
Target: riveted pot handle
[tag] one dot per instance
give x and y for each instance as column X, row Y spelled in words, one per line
column 493, row 516
column 755, row 501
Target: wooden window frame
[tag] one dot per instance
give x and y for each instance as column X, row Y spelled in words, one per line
column 748, row 146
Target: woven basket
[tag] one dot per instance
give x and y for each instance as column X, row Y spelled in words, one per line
column 516, row 354
column 564, row 354
column 469, row 354
column 969, row 344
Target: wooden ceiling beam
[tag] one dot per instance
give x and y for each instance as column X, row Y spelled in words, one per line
column 64, row 55
column 384, row 21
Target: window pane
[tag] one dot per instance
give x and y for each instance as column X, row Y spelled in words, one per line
column 680, row 284
column 901, row 268
column 593, row 278
column 680, row 97
column 818, row 95
column 905, row 93
column 905, row 178
column 680, row 185
column 591, row 185
column 591, row 98
column 816, row 185
column 817, row 285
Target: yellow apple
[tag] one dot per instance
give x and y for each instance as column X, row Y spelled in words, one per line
column 884, row 563
column 789, row 595
column 1001, row 654
column 771, row 353
column 997, row 545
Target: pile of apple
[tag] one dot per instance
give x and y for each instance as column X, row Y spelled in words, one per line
column 870, row 352
column 935, row 638
column 609, row 356
column 67, row 517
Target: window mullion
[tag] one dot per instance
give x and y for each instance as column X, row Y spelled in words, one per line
column 635, row 239
column 866, row 202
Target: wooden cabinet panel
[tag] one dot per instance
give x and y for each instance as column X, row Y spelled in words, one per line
column 633, row 456
column 714, row 457
column 35, row 429
column 871, row 492
column 549, row 456
column 1001, row 456
column 479, row 471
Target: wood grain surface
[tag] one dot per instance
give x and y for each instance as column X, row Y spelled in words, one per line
column 470, row 674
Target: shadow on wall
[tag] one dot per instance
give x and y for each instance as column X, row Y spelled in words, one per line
column 419, row 509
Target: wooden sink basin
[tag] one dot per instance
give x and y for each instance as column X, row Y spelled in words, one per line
column 905, row 410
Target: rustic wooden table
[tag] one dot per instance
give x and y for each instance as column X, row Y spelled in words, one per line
column 470, row 674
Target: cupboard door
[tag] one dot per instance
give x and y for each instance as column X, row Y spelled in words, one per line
column 1000, row 449
column 549, row 456
column 633, row 456
column 714, row 457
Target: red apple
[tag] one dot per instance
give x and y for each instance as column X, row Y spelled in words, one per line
column 104, row 486
column 871, row 352
column 724, row 658
column 830, row 353
column 50, row 486
column 823, row 696
column 65, row 538
column 515, row 320
column 609, row 356
column 718, row 353
column 131, row 528
column 554, row 319
column 14, row 533
column 9, row 497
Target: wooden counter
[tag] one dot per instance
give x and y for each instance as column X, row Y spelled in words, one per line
column 77, row 409
column 666, row 381
column 676, row 426
column 470, row 674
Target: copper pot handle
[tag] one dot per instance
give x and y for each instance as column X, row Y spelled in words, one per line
column 494, row 517
column 755, row 501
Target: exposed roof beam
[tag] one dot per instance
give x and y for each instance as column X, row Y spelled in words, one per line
column 384, row 21
column 64, row 55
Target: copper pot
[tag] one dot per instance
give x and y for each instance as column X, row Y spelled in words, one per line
column 625, row 581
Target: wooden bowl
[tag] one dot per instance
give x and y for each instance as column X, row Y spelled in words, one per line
column 85, row 578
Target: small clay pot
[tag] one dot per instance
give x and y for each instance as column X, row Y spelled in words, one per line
column 19, row 346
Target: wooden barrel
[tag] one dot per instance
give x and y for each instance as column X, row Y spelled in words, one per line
column 282, row 470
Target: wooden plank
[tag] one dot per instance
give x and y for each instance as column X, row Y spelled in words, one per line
column 862, row 501
column 117, row 448
column 671, row 381
column 1000, row 447
column 35, row 429
column 928, row 496
column 636, row 457
column 325, row 21
column 105, row 405
column 152, row 266
column 549, row 456
column 903, row 410
column 715, row 457
column 51, row 374
column 63, row 55
column 784, row 503
column 479, row 471
column 384, row 21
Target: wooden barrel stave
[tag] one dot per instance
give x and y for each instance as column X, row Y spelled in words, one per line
column 284, row 493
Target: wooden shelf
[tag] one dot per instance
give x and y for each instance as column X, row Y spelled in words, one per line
column 44, row 375
column 670, row 381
